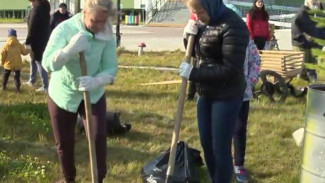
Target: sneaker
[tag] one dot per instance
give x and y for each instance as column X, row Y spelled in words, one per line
column 43, row 90
column 29, row 83
column 241, row 174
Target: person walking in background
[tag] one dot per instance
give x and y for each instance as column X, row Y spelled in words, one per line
column 38, row 34
column 11, row 58
column 252, row 71
column 303, row 29
column 220, row 47
column 257, row 21
column 59, row 16
column 91, row 32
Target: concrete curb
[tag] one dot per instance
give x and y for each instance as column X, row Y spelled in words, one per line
column 166, row 25
column 149, row 67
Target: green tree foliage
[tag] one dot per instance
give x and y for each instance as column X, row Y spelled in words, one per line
column 319, row 17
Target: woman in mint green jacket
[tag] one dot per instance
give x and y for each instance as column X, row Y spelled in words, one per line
column 88, row 31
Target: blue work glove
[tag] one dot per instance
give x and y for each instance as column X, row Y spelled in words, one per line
column 185, row 70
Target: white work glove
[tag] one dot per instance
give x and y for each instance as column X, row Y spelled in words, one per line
column 77, row 43
column 185, row 70
column 28, row 47
column 190, row 28
column 88, row 83
column 267, row 45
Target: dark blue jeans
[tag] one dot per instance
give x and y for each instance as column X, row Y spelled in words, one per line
column 216, row 121
column 240, row 135
column 34, row 66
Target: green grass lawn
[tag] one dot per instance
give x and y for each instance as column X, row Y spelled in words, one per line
column 27, row 151
column 11, row 20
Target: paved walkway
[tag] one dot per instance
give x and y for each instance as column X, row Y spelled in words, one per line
column 156, row 38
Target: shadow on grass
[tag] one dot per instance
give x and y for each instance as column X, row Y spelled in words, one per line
column 262, row 176
column 27, row 108
column 272, row 108
column 43, row 151
column 139, row 94
column 25, row 121
column 123, row 155
column 133, row 136
column 140, row 117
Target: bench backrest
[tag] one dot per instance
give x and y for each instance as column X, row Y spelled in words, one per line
column 286, row 63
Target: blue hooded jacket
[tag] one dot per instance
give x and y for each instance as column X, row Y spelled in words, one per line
column 215, row 9
column 234, row 8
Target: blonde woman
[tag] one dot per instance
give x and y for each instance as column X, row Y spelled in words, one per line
column 220, row 48
column 88, row 31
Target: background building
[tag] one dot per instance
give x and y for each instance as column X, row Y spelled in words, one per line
column 134, row 12
column 73, row 5
column 14, row 8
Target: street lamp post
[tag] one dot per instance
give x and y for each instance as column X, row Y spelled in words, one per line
column 118, row 34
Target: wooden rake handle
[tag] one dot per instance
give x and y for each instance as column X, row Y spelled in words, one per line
column 91, row 141
column 179, row 113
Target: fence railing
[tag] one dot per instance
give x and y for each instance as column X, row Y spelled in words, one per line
column 153, row 9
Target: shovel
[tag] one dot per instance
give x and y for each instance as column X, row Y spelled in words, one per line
column 179, row 112
column 91, row 142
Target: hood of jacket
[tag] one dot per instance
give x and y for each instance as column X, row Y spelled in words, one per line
column 215, row 9
column 12, row 41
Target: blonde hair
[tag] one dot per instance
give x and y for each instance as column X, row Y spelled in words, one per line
column 104, row 5
column 194, row 4
column 309, row 2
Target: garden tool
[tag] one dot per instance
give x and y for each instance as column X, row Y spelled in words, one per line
column 91, row 141
column 179, row 112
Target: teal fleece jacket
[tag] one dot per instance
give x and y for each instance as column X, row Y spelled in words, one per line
column 100, row 59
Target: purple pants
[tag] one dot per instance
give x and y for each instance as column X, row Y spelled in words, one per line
column 64, row 124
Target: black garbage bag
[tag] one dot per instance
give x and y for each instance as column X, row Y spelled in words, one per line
column 186, row 169
column 114, row 125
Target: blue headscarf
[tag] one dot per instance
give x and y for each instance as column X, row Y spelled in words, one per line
column 215, row 9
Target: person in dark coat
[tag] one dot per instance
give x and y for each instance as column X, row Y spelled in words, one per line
column 38, row 23
column 59, row 16
column 220, row 48
column 303, row 28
